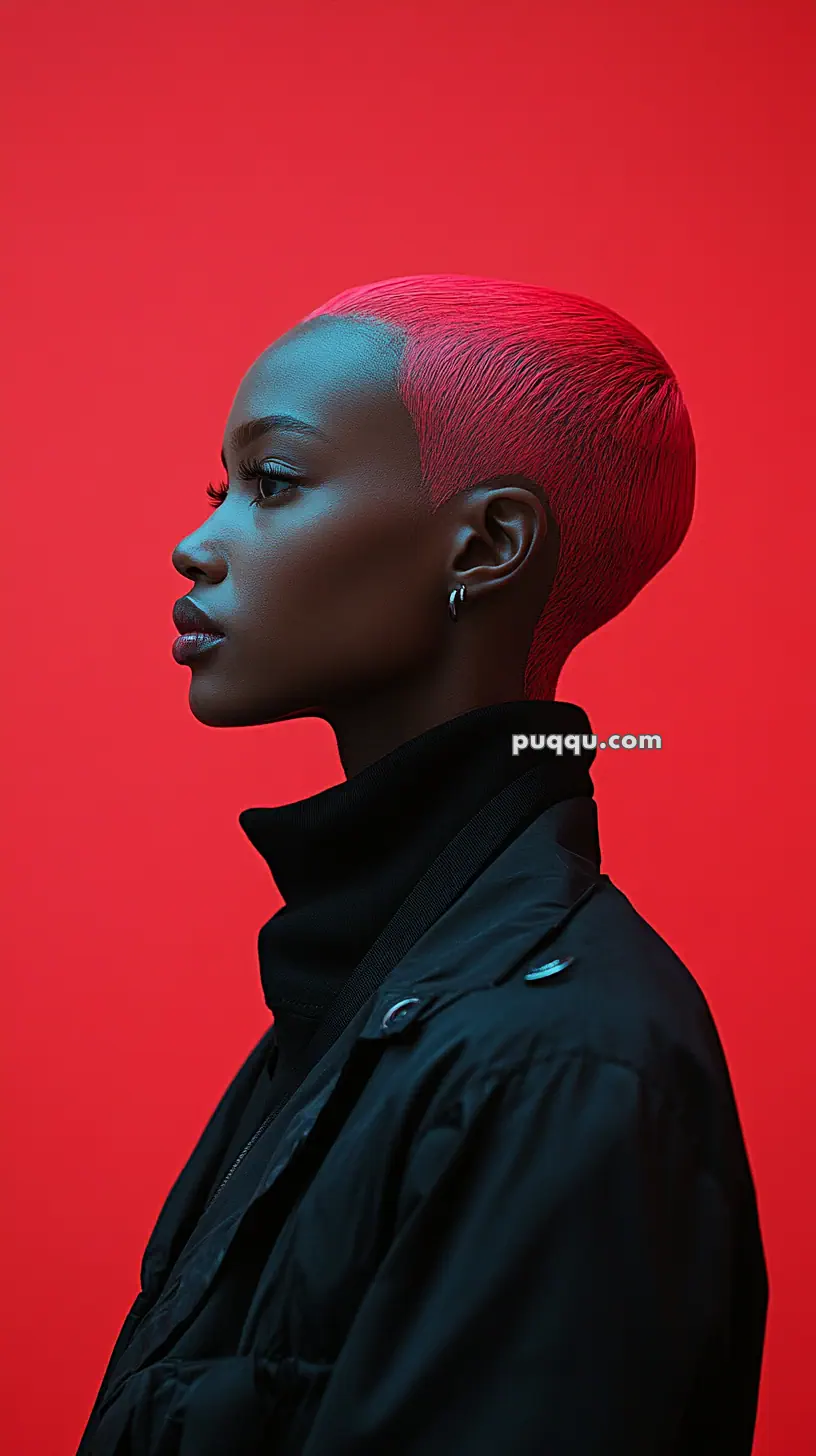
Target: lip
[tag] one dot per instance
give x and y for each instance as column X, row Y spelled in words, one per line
column 194, row 644
column 188, row 617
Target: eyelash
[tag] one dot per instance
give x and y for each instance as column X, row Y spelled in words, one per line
column 253, row 470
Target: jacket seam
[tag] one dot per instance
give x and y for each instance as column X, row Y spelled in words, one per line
column 519, row 1071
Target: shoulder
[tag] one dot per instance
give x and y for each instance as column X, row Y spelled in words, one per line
column 624, row 1005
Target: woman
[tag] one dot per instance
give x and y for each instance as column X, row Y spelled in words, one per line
column 482, row 1187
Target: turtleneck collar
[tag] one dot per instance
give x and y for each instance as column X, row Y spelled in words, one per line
column 424, row 788
column 345, row 858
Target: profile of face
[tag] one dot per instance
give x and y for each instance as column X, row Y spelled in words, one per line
column 324, row 565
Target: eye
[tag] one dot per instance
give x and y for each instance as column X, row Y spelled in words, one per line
column 263, row 471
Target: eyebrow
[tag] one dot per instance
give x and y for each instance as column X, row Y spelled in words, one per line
column 251, row 430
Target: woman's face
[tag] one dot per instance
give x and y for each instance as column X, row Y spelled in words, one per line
column 327, row 579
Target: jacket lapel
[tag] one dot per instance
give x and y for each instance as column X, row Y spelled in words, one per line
column 208, row 1248
column 192, row 1185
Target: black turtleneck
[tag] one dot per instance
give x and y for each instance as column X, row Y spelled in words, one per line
column 344, row 859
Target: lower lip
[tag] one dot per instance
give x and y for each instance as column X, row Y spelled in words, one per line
column 193, row 644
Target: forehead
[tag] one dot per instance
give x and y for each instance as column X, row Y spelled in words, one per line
column 334, row 373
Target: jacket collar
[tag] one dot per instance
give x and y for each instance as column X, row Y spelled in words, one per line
column 517, row 903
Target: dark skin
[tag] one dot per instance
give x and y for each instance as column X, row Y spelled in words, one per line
column 333, row 591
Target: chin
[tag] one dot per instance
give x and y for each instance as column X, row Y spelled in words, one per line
column 217, row 707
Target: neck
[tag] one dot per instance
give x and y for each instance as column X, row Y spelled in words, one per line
column 370, row 728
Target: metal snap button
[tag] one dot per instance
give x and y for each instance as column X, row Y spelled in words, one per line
column 552, row 968
column 398, row 1012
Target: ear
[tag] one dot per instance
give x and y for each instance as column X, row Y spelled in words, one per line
column 503, row 531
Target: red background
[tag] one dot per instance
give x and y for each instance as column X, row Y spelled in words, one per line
column 183, row 183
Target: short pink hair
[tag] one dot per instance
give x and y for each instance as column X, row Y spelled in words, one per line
column 511, row 378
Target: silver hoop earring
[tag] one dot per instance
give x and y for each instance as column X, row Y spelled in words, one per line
column 455, row 599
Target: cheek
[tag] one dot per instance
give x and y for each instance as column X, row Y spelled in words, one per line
column 357, row 588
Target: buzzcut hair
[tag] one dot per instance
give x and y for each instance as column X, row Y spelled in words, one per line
column 500, row 378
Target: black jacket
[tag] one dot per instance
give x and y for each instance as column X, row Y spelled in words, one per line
column 502, row 1215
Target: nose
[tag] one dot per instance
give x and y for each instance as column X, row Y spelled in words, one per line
column 195, row 561
column 183, row 561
